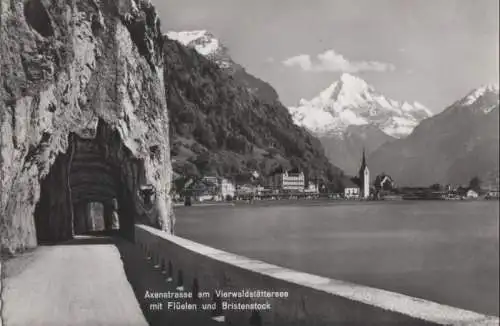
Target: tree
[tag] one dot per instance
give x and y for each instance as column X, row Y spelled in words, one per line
column 332, row 187
column 183, row 185
column 461, row 191
column 272, row 152
column 475, row 184
column 356, row 180
column 339, row 185
column 436, row 187
column 202, row 162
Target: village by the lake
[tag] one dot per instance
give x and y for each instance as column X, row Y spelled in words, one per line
column 294, row 186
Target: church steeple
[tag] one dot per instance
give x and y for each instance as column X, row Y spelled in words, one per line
column 364, row 176
column 363, row 163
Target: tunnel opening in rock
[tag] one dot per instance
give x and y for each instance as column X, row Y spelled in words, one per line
column 95, row 217
column 96, row 186
column 88, row 217
column 37, row 17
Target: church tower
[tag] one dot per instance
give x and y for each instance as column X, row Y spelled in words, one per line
column 364, row 177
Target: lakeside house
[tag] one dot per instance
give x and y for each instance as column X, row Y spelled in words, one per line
column 205, row 189
column 244, row 190
column 351, row 190
column 227, row 189
column 212, row 188
column 312, row 188
column 471, row 194
column 492, row 190
column 493, row 193
column 384, row 181
column 289, row 181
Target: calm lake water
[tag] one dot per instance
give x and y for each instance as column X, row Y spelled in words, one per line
column 447, row 252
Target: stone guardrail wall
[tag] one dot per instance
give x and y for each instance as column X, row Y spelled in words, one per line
column 312, row 300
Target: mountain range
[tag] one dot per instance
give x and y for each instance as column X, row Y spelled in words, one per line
column 400, row 138
column 351, row 101
column 350, row 115
column 450, row 148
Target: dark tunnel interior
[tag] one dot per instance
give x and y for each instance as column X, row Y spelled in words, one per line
column 94, row 186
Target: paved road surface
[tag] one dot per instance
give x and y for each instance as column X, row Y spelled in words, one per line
column 89, row 281
column 70, row 284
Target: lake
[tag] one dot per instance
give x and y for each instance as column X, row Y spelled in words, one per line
column 443, row 251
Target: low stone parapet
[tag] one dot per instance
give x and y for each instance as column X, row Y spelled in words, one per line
column 259, row 289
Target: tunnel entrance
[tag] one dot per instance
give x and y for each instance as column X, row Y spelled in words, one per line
column 96, row 186
column 92, row 217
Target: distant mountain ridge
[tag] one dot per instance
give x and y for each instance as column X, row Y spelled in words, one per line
column 206, row 44
column 345, row 151
column 351, row 101
column 452, row 147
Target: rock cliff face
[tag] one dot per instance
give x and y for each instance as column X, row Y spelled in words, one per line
column 83, row 117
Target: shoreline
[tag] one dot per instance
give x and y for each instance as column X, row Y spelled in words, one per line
column 322, row 201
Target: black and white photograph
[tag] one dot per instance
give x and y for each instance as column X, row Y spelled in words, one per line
column 235, row 162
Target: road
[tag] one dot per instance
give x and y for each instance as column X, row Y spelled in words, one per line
column 89, row 281
column 81, row 282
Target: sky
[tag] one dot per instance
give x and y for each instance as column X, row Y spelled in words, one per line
column 433, row 52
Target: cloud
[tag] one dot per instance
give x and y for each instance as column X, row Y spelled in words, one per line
column 303, row 61
column 332, row 62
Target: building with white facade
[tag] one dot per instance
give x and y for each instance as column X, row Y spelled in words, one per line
column 351, row 190
column 312, row 188
column 227, row 188
column 472, row 194
column 292, row 181
column 214, row 188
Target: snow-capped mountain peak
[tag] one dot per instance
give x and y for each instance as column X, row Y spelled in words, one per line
column 484, row 97
column 352, row 101
column 187, row 37
column 350, row 89
column 206, row 44
column 354, row 83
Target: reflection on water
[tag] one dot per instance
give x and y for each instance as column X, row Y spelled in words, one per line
column 441, row 251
